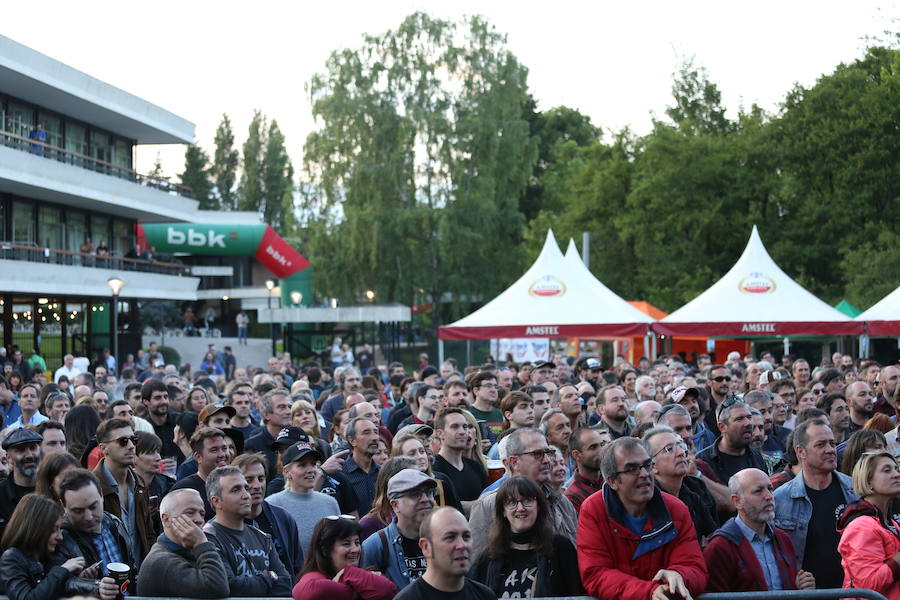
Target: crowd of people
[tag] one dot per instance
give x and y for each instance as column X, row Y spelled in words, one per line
column 650, row 481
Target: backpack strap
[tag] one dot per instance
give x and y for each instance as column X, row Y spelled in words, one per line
column 441, row 499
column 384, row 551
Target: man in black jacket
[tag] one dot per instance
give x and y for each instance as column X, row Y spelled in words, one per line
column 88, row 531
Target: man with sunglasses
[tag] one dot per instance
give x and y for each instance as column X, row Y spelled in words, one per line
column 528, row 454
column 732, row 451
column 717, row 383
column 395, row 550
column 124, row 493
column 635, row 539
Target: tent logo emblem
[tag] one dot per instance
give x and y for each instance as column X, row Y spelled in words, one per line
column 757, row 283
column 547, row 287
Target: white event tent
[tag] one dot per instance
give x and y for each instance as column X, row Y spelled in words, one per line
column 883, row 319
column 756, row 298
column 557, row 297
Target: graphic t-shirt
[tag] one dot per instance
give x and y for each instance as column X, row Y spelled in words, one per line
column 415, row 561
column 493, row 418
column 821, row 557
column 517, row 577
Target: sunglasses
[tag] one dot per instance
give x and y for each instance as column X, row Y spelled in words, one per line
column 538, row 454
column 730, row 401
column 338, row 517
column 123, row 441
column 722, row 378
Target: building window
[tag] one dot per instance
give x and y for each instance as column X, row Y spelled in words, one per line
column 23, row 222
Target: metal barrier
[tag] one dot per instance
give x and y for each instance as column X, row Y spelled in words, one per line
column 829, row 594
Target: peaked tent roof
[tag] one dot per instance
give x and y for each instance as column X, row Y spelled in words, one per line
column 756, row 298
column 847, row 308
column 884, row 317
column 556, row 297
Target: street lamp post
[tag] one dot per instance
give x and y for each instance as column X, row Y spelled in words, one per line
column 115, row 285
column 270, row 285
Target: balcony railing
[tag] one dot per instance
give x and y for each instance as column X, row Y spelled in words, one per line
column 30, row 252
column 51, row 152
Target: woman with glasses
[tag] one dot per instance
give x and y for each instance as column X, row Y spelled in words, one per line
column 870, row 537
column 331, row 570
column 671, row 463
column 524, row 558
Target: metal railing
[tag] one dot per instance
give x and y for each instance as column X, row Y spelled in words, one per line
column 829, row 594
column 31, row 252
column 48, row 151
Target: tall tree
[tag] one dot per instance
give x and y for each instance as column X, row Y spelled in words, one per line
column 250, row 192
column 225, row 165
column 419, row 164
column 196, row 177
column 277, row 180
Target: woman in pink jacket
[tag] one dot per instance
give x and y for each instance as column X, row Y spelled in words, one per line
column 331, row 572
column 870, row 538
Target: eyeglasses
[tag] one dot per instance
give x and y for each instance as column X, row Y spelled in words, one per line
column 722, row 378
column 635, row 470
column 670, row 449
column 338, row 517
column 416, row 494
column 526, row 503
column 123, row 441
column 818, row 392
column 538, row 454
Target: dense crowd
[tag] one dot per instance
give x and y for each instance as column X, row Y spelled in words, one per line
column 345, row 480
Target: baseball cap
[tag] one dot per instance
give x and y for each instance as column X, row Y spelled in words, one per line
column 769, row 377
column 592, row 364
column 289, row 435
column 211, row 409
column 681, row 391
column 541, row 364
column 429, row 371
column 297, row 451
column 20, row 437
column 408, row 479
column 415, row 429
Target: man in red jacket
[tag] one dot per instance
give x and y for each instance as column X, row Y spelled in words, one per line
column 634, row 541
column 747, row 554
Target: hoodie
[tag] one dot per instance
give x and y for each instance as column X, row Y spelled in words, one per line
column 868, row 544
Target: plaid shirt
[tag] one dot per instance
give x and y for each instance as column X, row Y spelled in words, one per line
column 106, row 546
column 580, row 487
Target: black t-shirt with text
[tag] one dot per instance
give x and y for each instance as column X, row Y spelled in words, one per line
column 517, row 576
column 821, row 557
column 420, row 590
column 415, row 560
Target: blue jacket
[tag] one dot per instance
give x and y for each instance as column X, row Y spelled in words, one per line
column 372, row 552
column 793, row 510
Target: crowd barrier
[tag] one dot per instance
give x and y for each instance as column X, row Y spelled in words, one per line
column 830, row 594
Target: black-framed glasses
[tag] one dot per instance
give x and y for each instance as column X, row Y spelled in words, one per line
column 526, row 503
column 722, row 378
column 417, row 493
column 729, row 401
column 635, row 470
column 123, row 441
column 538, row 454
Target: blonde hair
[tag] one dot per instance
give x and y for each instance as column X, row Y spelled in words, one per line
column 865, row 470
column 397, row 447
column 475, row 453
column 304, row 405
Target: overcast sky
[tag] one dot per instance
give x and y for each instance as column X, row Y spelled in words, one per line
column 611, row 60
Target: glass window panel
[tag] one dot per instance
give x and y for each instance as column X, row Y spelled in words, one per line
column 122, row 154
column 53, row 127
column 76, row 141
column 19, row 118
column 101, row 150
column 123, row 239
column 100, row 231
column 76, row 229
column 23, row 222
column 50, row 228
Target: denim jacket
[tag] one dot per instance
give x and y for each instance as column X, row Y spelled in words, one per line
column 793, row 510
column 372, row 553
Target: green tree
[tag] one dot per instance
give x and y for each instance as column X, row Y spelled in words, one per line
column 225, row 165
column 157, row 175
column 418, row 167
column 251, row 196
column 277, row 179
column 196, row 177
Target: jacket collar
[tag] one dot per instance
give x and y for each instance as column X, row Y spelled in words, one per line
column 661, row 526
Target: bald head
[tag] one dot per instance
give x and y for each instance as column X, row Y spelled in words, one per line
column 646, row 411
column 366, row 410
column 752, row 494
column 352, row 399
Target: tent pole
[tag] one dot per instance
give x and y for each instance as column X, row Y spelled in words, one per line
column 440, row 351
column 787, row 345
column 586, row 248
column 468, row 353
column 653, row 346
column 647, row 344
